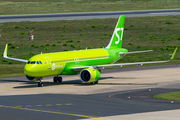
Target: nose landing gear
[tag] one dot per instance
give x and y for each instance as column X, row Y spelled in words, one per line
column 40, row 84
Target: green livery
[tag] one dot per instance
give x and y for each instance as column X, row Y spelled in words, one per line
column 86, row 62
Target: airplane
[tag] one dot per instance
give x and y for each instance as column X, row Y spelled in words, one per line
column 88, row 63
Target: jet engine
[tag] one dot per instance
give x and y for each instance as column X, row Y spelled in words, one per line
column 90, row 75
column 30, row 78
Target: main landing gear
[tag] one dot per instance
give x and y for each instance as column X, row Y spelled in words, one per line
column 57, row 79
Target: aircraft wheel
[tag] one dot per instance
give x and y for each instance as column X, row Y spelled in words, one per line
column 59, row 79
column 40, row 85
column 55, row 79
column 96, row 82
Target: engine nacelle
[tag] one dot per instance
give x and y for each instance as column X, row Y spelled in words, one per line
column 89, row 75
column 30, row 78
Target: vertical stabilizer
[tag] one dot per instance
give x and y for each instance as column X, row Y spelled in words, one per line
column 116, row 39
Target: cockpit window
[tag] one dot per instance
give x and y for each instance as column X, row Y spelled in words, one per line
column 34, row 62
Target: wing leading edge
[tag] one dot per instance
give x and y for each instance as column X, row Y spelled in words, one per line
column 123, row 64
column 5, row 56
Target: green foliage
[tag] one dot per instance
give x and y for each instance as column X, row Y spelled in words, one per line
column 105, row 34
column 106, row 26
column 64, row 44
column 69, row 41
column 10, row 62
column 33, row 27
column 13, row 47
column 31, row 53
column 152, row 37
column 17, row 27
column 89, row 47
column 81, row 35
column 178, row 38
column 43, row 45
column 168, row 22
column 46, row 48
column 162, row 48
column 59, row 41
column 22, row 33
column 35, row 46
column 5, row 61
column 131, row 26
column 64, row 31
column 125, row 28
column 130, row 44
column 78, row 41
column 27, row 27
column 94, row 26
column 80, row 30
column 62, row 35
column 47, row 44
column 64, row 27
column 25, row 57
column 9, row 44
column 66, row 49
column 85, row 28
column 73, row 46
column 101, row 38
column 102, row 46
column 54, row 44
column 139, row 46
column 57, row 27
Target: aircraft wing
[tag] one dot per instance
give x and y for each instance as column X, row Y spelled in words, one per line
column 123, row 64
column 5, row 56
column 121, row 53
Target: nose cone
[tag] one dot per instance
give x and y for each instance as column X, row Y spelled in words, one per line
column 30, row 70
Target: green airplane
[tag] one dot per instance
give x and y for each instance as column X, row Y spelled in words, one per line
column 88, row 63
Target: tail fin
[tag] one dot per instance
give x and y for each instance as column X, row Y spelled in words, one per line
column 116, row 39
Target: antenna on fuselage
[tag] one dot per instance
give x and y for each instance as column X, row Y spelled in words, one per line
column 86, row 48
column 41, row 53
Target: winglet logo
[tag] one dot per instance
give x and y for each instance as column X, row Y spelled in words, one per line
column 117, row 35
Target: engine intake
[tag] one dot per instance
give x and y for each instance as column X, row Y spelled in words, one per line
column 89, row 75
column 30, row 78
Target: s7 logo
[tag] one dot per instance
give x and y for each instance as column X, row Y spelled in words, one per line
column 117, row 35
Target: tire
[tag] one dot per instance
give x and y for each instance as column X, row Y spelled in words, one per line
column 55, row 79
column 40, row 85
column 59, row 79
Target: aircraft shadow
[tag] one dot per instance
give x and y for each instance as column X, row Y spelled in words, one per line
column 31, row 84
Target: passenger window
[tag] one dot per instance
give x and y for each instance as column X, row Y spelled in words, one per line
column 28, row 62
column 40, row 62
column 37, row 62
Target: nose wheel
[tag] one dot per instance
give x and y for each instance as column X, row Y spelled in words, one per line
column 57, row 79
column 40, row 84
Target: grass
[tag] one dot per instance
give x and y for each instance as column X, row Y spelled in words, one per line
column 169, row 96
column 162, row 41
column 66, row 6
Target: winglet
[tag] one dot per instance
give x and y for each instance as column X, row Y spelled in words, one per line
column 5, row 51
column 172, row 57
